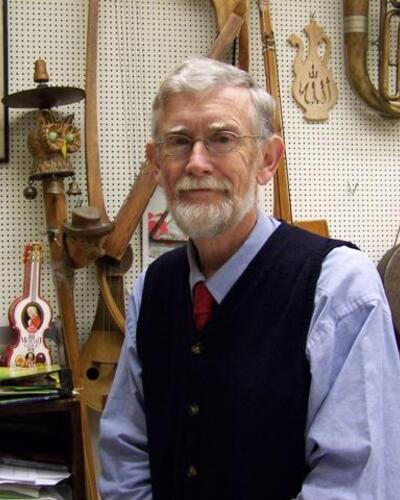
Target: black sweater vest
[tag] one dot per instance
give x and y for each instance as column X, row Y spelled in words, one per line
column 226, row 408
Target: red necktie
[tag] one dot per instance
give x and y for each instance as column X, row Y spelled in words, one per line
column 203, row 303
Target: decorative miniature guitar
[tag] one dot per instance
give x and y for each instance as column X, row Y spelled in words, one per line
column 30, row 316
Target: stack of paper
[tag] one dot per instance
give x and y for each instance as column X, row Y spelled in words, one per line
column 18, row 385
column 18, row 482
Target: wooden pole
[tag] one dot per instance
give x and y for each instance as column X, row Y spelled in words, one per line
column 282, row 208
column 56, row 214
column 93, row 173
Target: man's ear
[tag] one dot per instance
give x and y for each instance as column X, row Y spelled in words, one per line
column 272, row 152
column 151, row 157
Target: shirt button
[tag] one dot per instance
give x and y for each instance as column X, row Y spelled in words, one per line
column 197, row 348
column 191, row 471
column 193, row 409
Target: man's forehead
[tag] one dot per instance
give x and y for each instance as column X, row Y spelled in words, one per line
column 217, row 109
column 213, row 126
column 217, row 92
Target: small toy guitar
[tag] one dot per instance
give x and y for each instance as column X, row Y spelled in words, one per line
column 30, row 316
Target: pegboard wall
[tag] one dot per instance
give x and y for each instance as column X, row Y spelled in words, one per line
column 345, row 170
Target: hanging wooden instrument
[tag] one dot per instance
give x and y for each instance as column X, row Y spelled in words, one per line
column 282, row 208
column 135, row 203
column 381, row 99
column 100, row 354
column 101, row 351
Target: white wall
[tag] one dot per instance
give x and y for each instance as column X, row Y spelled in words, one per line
column 139, row 42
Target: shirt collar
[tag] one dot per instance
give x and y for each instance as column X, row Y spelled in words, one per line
column 225, row 277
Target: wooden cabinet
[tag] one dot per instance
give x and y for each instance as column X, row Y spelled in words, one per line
column 48, row 431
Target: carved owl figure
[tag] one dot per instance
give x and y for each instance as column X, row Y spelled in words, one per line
column 51, row 142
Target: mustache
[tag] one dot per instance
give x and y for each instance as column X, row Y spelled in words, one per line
column 188, row 183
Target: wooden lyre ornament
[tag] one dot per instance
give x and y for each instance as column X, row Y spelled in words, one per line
column 314, row 88
column 30, row 316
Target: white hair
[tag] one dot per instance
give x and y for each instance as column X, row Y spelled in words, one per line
column 202, row 74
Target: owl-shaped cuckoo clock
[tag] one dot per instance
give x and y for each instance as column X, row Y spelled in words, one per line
column 51, row 143
column 55, row 137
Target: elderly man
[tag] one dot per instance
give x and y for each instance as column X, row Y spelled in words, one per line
column 259, row 361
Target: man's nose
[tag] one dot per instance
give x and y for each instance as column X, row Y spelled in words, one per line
column 199, row 161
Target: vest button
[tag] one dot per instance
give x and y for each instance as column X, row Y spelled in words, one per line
column 191, row 471
column 197, row 348
column 193, row 409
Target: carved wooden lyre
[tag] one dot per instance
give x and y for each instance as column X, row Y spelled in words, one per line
column 314, row 88
column 30, row 316
column 381, row 99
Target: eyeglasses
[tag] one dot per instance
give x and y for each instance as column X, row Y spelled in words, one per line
column 218, row 143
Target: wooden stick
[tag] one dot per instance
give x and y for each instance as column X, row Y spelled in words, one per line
column 130, row 213
column 244, row 58
column 282, row 209
column 56, row 214
column 222, row 10
column 93, row 172
column 227, row 34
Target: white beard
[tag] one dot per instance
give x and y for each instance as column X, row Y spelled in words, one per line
column 200, row 220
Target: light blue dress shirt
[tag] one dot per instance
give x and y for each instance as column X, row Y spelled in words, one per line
column 353, row 422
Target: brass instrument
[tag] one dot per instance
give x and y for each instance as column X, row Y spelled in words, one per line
column 380, row 99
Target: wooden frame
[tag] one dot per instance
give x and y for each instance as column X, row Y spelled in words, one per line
column 4, row 136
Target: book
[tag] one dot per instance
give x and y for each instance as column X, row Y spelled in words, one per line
column 11, row 372
column 21, row 385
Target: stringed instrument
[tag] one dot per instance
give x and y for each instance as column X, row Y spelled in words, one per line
column 101, row 351
column 100, row 354
column 30, row 316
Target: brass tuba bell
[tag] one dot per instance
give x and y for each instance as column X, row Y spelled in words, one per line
column 381, row 99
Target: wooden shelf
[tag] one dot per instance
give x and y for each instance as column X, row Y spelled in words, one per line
column 49, row 431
